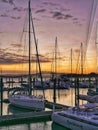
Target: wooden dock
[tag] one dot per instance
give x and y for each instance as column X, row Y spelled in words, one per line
column 25, row 118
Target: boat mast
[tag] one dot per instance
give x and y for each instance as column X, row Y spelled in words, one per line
column 82, row 67
column 55, row 78
column 38, row 60
column 71, row 77
column 71, row 64
column 56, row 57
column 82, row 60
column 29, row 35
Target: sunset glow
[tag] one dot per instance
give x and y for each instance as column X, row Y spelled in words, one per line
column 72, row 21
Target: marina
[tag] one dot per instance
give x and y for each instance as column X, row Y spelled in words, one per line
column 12, row 115
column 31, row 116
column 48, row 65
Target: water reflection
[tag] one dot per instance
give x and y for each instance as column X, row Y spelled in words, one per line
column 65, row 97
column 58, row 127
column 35, row 126
column 29, row 126
column 15, row 110
column 1, row 104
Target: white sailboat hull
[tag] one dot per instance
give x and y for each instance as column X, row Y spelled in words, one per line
column 73, row 123
column 27, row 102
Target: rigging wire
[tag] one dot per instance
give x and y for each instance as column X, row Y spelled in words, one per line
column 90, row 24
column 23, row 37
column 96, row 47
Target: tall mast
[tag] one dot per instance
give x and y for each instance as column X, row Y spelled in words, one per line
column 71, row 64
column 55, row 56
column 29, row 35
column 55, row 69
column 82, row 63
column 82, row 59
column 71, row 78
column 38, row 60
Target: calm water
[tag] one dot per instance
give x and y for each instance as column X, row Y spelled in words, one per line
column 35, row 126
column 62, row 96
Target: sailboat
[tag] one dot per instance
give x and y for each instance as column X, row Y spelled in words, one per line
column 80, row 117
column 60, row 82
column 83, row 117
column 27, row 100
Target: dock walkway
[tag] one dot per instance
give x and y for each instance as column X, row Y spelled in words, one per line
column 25, row 118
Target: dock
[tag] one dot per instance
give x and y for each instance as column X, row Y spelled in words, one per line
column 57, row 105
column 28, row 117
column 25, row 118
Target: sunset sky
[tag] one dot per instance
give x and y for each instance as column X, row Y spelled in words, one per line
column 72, row 21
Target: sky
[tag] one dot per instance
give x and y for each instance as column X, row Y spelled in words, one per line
column 72, row 21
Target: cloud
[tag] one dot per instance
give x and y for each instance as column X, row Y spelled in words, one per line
column 76, row 21
column 1, row 32
column 12, row 17
column 16, row 45
column 43, row 58
column 18, row 9
column 6, row 1
column 59, row 15
column 15, row 18
column 56, row 5
column 65, row 9
column 40, row 11
column 4, row 15
column 77, row 50
column 67, row 16
column 50, row 3
column 8, row 57
column 9, row 1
